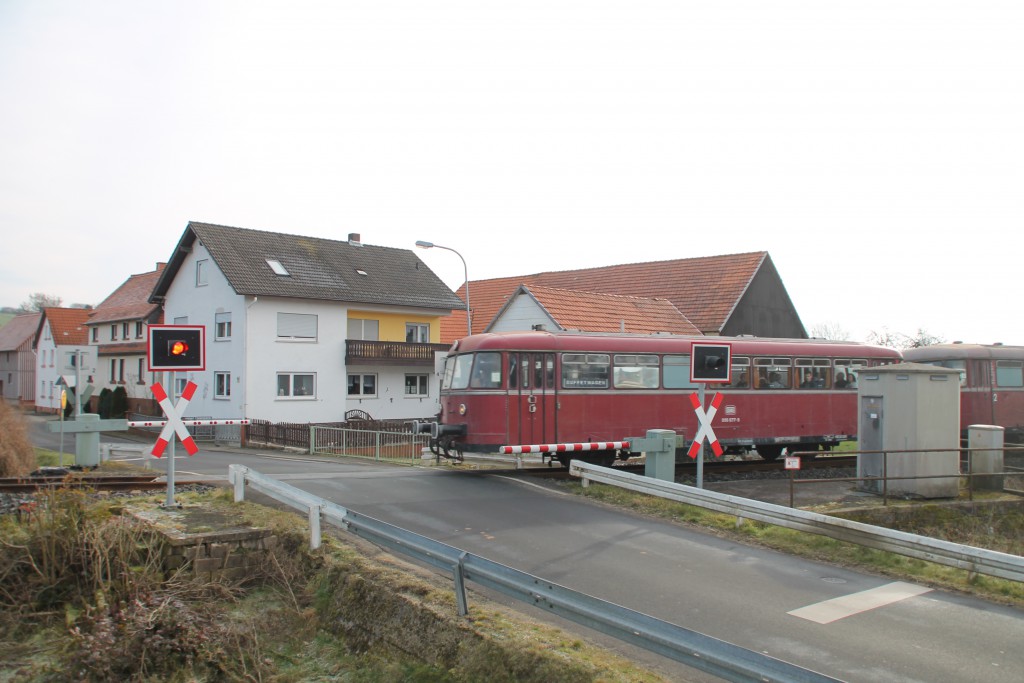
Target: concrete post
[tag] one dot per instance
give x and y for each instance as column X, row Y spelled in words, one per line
column 988, row 461
column 87, row 444
column 660, row 447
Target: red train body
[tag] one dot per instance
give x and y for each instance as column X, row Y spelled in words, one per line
column 542, row 387
column 991, row 382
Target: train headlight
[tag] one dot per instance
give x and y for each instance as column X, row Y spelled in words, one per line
column 462, row 409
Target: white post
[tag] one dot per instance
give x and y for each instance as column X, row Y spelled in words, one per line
column 700, row 455
column 168, row 380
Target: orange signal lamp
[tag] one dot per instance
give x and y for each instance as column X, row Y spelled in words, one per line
column 178, row 348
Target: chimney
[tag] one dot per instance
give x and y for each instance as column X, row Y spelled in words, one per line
column 353, row 239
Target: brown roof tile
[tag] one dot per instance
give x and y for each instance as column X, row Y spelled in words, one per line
column 130, row 301
column 18, row 330
column 705, row 289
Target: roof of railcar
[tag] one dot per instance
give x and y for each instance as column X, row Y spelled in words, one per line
column 964, row 351
column 664, row 343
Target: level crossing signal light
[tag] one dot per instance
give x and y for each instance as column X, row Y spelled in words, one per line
column 710, row 363
column 176, row 347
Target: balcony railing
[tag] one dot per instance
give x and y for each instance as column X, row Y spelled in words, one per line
column 362, row 352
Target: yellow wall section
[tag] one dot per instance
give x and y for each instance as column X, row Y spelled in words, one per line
column 392, row 326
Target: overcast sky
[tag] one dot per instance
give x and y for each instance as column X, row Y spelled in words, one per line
column 874, row 149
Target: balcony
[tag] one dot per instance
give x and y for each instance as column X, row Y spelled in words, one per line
column 361, row 352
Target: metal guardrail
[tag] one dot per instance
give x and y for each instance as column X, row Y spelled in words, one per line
column 975, row 560
column 725, row 660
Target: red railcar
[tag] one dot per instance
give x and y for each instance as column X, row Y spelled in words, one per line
column 991, row 382
column 542, row 387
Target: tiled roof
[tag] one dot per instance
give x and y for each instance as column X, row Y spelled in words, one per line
column 130, row 301
column 18, row 330
column 704, row 289
column 592, row 312
column 319, row 269
column 67, row 325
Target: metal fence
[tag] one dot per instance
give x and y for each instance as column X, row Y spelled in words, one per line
column 398, row 447
column 297, row 434
column 705, row 653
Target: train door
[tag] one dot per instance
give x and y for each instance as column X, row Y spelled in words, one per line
column 534, row 398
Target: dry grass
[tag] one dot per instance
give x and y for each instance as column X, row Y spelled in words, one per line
column 17, row 456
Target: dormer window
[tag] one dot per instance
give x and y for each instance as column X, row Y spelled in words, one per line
column 278, row 267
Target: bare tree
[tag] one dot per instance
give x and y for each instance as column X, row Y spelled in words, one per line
column 830, row 330
column 901, row 341
column 37, row 301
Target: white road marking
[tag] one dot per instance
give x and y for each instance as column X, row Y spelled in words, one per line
column 530, row 483
column 839, row 608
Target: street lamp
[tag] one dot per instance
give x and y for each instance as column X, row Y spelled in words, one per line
column 430, row 245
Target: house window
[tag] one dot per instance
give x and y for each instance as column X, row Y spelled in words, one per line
column 138, row 330
column 223, row 326
column 124, row 330
column 179, row 386
column 120, row 371
column 181, row 320
column 142, row 369
column 72, row 359
column 366, row 330
column 277, row 267
column 95, row 334
column 296, row 326
column 417, row 333
column 362, row 385
column 416, row 385
column 202, row 266
column 222, row 385
column 113, row 333
column 296, row 385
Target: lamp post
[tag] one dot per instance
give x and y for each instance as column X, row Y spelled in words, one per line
column 430, row 245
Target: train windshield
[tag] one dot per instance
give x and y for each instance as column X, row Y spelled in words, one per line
column 960, row 365
column 1010, row 373
column 473, row 370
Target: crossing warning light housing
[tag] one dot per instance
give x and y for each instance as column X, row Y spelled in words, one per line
column 710, row 363
column 176, row 347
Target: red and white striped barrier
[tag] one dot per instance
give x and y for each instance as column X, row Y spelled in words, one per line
column 565, row 447
column 188, row 423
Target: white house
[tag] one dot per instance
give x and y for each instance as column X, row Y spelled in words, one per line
column 303, row 329
column 63, row 356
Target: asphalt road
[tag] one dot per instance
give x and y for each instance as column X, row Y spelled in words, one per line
column 742, row 594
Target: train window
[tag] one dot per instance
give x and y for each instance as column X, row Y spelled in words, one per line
column 513, row 371
column 740, row 373
column 1010, row 373
column 538, row 371
column 677, row 373
column 585, row 370
column 486, row 371
column 773, row 373
column 846, row 372
column 635, row 371
column 549, row 370
column 814, row 373
column 459, row 376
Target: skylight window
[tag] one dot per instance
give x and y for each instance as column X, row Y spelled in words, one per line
column 361, row 272
column 278, row 267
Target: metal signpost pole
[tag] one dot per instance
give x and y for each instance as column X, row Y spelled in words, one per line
column 63, row 403
column 700, row 455
column 169, row 381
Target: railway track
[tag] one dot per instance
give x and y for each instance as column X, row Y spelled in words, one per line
column 712, row 468
column 92, row 482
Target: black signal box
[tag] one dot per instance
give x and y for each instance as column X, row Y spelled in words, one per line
column 177, row 347
column 710, row 363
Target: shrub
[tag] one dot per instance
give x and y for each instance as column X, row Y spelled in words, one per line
column 118, row 403
column 103, row 408
column 17, row 456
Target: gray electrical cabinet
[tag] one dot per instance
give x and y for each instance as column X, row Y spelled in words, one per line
column 909, row 411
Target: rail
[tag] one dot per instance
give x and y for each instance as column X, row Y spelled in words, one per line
column 725, row 660
column 969, row 558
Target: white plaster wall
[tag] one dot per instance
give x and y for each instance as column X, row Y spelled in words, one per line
column 199, row 304
column 522, row 314
column 45, row 372
column 391, row 403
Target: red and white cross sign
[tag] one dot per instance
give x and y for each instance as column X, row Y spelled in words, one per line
column 174, row 423
column 705, row 430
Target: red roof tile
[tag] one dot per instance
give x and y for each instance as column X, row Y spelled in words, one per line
column 67, row 325
column 593, row 312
